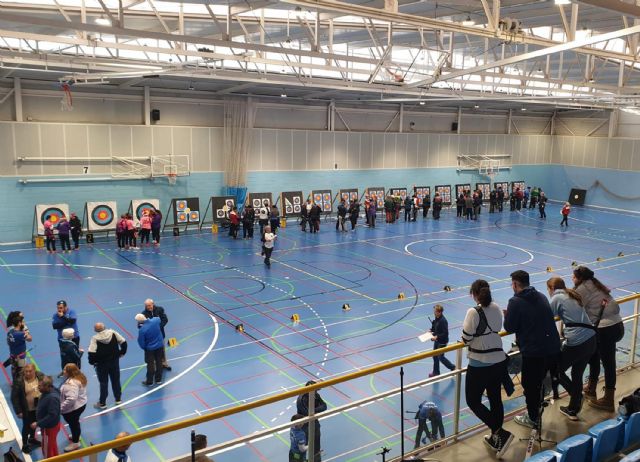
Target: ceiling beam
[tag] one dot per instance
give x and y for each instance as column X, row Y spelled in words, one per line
column 573, row 45
column 235, row 88
column 618, row 6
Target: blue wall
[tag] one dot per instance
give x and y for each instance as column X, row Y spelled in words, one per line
column 555, row 180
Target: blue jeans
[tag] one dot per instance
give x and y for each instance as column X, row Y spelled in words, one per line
column 441, row 359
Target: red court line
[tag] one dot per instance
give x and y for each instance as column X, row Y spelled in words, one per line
column 131, row 337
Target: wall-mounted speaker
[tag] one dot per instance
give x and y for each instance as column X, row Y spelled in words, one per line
column 155, row 115
column 577, row 196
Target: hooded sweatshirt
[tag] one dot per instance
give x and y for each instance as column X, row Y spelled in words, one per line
column 48, row 411
column 529, row 316
column 107, row 345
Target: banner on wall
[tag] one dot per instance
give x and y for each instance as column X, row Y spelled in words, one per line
column 462, row 188
column 322, row 197
column 101, row 216
column 486, row 190
column 259, row 200
column 445, row 193
column 517, row 184
column 138, row 207
column 349, row 195
column 422, row 192
column 220, row 207
column 291, row 203
column 377, row 191
column 55, row 211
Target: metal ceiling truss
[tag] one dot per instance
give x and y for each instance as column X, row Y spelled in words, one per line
column 249, row 47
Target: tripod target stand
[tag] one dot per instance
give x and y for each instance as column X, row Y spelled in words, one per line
column 536, row 431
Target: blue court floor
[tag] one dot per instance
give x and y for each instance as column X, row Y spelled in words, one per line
column 209, row 283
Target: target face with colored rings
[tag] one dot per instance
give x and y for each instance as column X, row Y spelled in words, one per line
column 182, row 217
column 181, row 205
column 145, row 206
column 194, row 216
column 102, row 215
column 55, row 215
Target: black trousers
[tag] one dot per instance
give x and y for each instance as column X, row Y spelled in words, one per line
column 131, row 238
column 575, row 357
column 28, row 417
column 534, row 370
column 109, row 370
column 422, row 428
column 489, row 379
column 267, row 255
column 75, row 235
column 354, row 220
column 459, row 210
column 153, row 359
column 247, row 229
column 51, row 243
column 73, row 419
column 407, row 214
column 606, row 353
column 155, row 235
column 425, row 212
column 64, row 241
column 543, row 214
column 144, row 235
column 340, row 223
column 565, row 220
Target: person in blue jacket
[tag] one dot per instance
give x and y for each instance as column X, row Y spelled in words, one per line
column 440, row 332
column 529, row 316
column 151, row 341
column 48, row 416
column 298, row 438
column 428, row 410
column 65, row 318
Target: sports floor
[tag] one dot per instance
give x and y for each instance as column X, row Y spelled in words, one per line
column 208, row 284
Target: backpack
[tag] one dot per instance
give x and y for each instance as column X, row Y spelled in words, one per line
column 483, row 324
column 11, row 456
column 629, row 404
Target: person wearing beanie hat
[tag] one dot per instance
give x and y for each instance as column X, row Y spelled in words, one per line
column 151, row 341
column 69, row 351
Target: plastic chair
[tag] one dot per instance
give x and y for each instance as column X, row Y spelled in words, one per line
column 544, row 456
column 633, row 457
column 607, row 438
column 577, row 448
column 632, row 430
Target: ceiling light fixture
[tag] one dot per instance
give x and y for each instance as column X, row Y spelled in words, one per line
column 468, row 21
column 102, row 21
column 562, row 2
column 476, row 106
column 283, row 95
column 422, row 103
column 523, row 109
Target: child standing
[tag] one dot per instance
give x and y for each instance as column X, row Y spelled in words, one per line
column 48, row 235
column 298, row 448
column 268, row 239
column 566, row 210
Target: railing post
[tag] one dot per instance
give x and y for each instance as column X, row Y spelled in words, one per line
column 94, row 457
column 311, row 450
column 634, row 338
column 456, row 402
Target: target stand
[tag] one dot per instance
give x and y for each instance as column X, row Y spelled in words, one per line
column 220, row 207
column 40, row 213
column 182, row 213
column 99, row 218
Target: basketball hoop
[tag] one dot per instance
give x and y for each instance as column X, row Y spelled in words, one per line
column 172, row 178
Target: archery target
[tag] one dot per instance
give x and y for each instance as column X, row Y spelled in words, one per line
column 257, row 203
column 288, row 206
column 181, row 217
column 297, row 200
column 55, row 210
column 101, row 215
column 194, row 216
column 297, row 208
column 326, row 197
column 181, row 205
column 266, row 202
column 317, row 198
column 291, row 201
column 229, row 203
column 220, row 214
column 138, row 206
column 183, row 208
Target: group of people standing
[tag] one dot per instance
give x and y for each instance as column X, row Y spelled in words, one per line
column 66, row 229
column 40, row 404
column 127, row 232
column 591, row 327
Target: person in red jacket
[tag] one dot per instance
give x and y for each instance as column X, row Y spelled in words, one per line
column 566, row 210
column 234, row 218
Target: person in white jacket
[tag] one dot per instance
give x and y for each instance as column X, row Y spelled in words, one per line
column 73, row 401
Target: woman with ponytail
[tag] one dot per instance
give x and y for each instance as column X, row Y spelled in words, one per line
column 604, row 313
column 487, row 365
column 580, row 342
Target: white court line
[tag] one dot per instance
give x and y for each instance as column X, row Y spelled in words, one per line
column 210, row 289
column 164, row 384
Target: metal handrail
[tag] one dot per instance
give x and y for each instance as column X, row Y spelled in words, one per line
column 193, row 421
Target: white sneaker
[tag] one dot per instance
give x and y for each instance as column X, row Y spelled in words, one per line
column 72, row 447
column 524, row 420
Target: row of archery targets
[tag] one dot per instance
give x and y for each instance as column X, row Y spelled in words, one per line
column 185, row 212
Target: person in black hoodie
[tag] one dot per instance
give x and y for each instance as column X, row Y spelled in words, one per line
column 105, row 350
column 529, row 316
column 354, row 212
column 76, row 230
column 440, row 332
column 48, row 416
column 342, row 214
column 248, row 218
column 500, row 198
column 314, row 218
column 302, row 406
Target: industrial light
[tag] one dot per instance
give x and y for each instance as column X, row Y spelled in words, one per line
column 422, row 103
column 476, row 106
column 102, row 21
column 562, row 2
column 468, row 21
column 523, row 109
column 283, row 95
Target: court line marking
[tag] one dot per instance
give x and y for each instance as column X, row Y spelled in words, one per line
column 531, row 257
column 164, row 384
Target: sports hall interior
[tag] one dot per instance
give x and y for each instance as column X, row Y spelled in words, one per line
column 111, row 106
